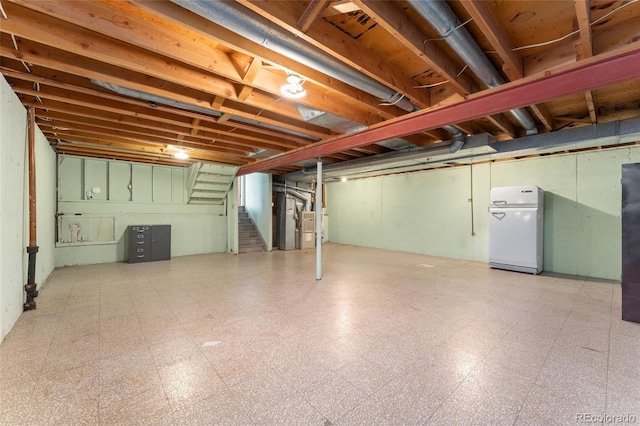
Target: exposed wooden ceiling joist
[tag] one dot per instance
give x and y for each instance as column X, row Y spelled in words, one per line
column 148, row 74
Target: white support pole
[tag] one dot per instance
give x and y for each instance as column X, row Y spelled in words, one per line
column 319, row 222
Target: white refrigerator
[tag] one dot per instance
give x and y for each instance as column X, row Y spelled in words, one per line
column 516, row 216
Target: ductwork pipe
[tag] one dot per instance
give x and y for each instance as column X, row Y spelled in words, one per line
column 244, row 22
column 304, row 199
column 415, row 153
column 446, row 23
column 458, row 138
column 297, row 188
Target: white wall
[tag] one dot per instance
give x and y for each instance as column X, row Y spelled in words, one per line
column 257, row 192
column 430, row 212
column 14, row 211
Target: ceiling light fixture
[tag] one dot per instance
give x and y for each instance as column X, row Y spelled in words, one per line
column 181, row 155
column 177, row 152
column 293, row 89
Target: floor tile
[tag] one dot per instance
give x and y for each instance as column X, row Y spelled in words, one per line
column 489, row 395
column 384, row 338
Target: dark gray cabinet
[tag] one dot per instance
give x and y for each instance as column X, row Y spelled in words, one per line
column 148, row 243
column 631, row 242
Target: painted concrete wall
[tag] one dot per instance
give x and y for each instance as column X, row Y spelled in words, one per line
column 232, row 218
column 46, row 202
column 92, row 227
column 14, row 210
column 431, row 212
column 257, row 193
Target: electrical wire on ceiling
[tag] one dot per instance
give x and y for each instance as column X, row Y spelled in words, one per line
column 428, row 86
column 449, row 33
column 393, row 102
column 15, row 42
column 36, row 87
column 564, row 37
column 4, row 14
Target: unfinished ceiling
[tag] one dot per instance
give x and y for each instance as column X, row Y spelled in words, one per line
column 141, row 80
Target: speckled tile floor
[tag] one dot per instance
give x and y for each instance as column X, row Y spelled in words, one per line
column 384, row 338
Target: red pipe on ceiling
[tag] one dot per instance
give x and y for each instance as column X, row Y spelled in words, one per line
column 589, row 74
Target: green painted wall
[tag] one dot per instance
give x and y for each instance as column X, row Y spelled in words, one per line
column 431, row 212
column 257, row 192
column 232, row 217
column 92, row 223
column 14, row 209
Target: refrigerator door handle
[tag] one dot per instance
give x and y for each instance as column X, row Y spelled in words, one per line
column 500, row 202
column 498, row 215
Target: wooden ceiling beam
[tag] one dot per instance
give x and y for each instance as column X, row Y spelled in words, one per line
column 583, row 16
column 389, row 16
column 542, row 113
column 327, row 38
column 52, row 110
column 591, row 74
column 591, row 106
column 252, row 71
column 60, row 110
column 141, row 145
column 502, row 123
column 485, row 18
column 122, row 143
column 194, row 124
column 85, row 67
column 513, row 65
column 356, row 100
column 584, row 48
column 244, row 92
column 87, row 149
column 144, row 138
column 226, row 141
column 157, row 109
column 329, row 100
column 311, row 14
column 42, row 29
column 46, row 30
column 116, row 154
column 413, row 38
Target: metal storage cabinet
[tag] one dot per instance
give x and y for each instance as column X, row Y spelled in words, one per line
column 631, row 242
column 161, row 242
column 149, row 243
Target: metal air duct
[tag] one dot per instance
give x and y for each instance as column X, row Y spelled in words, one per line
column 246, row 23
column 446, row 23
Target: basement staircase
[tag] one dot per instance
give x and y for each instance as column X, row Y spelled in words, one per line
column 249, row 239
column 209, row 183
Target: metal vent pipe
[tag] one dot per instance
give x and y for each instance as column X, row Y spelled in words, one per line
column 244, row 22
column 446, row 23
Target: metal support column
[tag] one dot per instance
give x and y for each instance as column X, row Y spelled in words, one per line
column 319, row 222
